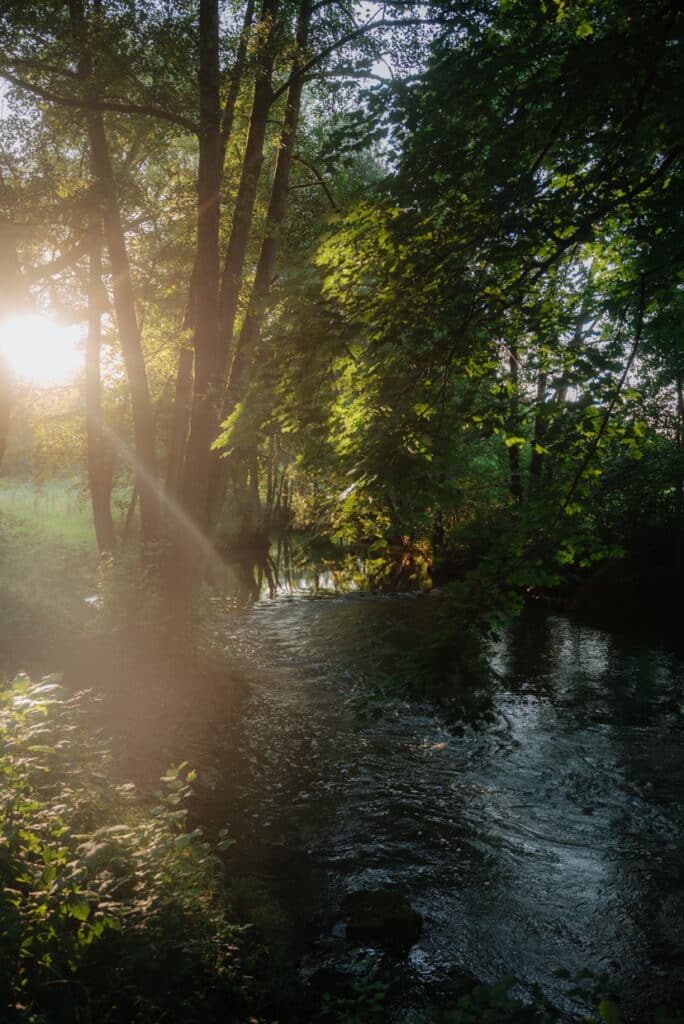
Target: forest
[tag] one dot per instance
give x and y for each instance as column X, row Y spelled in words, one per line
column 341, row 511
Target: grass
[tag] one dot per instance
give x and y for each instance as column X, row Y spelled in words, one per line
column 58, row 509
column 48, row 562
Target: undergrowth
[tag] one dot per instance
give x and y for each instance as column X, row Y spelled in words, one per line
column 111, row 912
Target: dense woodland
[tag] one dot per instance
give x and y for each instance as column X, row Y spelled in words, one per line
column 430, row 301
column 403, row 281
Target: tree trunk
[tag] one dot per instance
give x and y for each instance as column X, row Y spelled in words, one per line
column 270, row 470
column 9, row 280
column 199, row 407
column 537, row 457
column 124, row 299
column 129, row 335
column 679, row 481
column 514, row 427
column 236, row 251
column 228, row 117
column 255, row 498
column 191, row 407
column 99, row 475
column 130, row 513
column 241, row 366
column 179, row 423
column 227, row 121
column 189, row 549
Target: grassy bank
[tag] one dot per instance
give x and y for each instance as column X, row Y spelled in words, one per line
column 48, row 563
column 58, row 509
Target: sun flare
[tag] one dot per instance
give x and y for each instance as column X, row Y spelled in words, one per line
column 40, row 351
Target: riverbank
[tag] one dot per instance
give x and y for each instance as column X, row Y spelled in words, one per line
column 94, row 877
column 349, row 747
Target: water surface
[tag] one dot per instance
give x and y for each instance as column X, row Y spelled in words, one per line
column 543, row 835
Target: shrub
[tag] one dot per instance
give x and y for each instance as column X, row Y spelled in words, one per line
column 110, row 911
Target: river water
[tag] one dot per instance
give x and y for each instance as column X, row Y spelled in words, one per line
column 530, row 809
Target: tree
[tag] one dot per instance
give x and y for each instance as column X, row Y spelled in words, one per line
column 127, row 63
column 539, row 144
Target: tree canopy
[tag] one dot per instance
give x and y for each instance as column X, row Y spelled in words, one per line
column 404, row 276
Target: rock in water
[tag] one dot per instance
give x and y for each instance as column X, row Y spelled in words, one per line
column 381, row 917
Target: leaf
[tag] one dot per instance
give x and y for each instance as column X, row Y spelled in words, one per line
column 512, row 440
column 608, row 1011
column 424, row 410
column 79, row 909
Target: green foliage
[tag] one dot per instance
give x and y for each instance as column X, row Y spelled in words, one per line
column 367, row 1001
column 110, row 911
column 494, row 1004
column 497, row 293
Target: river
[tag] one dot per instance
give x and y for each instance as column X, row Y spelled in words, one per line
column 532, row 812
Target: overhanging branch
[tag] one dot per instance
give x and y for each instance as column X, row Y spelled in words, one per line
column 78, row 103
column 360, row 30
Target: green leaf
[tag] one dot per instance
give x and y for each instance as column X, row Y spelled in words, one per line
column 609, row 1012
column 79, row 909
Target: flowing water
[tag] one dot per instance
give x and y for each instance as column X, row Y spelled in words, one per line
column 531, row 813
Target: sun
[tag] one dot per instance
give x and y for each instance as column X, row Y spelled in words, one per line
column 40, row 351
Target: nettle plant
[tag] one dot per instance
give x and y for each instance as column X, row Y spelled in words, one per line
column 109, row 910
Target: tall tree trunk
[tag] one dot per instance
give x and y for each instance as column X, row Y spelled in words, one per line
column 9, row 280
column 233, row 268
column 130, row 513
column 241, row 365
column 179, row 423
column 269, row 470
column 255, row 498
column 129, row 335
column 99, row 475
column 540, row 418
column 679, row 481
column 205, row 401
column 235, row 81
column 514, row 427
column 183, row 399
column 124, row 299
column 227, row 122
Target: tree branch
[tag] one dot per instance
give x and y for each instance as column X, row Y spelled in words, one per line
column 538, row 267
column 349, row 38
column 67, row 259
column 39, row 65
column 608, row 412
column 319, row 180
column 76, row 103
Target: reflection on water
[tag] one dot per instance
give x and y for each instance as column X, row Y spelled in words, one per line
column 288, row 570
column 548, row 836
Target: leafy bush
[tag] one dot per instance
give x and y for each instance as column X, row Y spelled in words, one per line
column 109, row 912
column 494, row 1004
